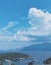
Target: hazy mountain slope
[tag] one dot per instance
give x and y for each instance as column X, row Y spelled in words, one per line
column 38, row 47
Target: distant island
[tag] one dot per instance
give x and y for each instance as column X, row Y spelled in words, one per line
column 13, row 56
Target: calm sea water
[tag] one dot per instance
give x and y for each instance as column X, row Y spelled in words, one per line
column 40, row 56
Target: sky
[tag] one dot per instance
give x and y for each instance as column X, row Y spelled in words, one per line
column 24, row 23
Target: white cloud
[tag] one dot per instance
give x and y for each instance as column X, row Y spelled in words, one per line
column 5, row 38
column 20, row 36
column 40, row 22
column 10, row 24
column 6, row 35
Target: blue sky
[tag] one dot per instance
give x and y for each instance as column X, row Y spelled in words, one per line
column 24, row 22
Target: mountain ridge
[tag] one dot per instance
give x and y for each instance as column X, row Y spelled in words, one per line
column 38, row 47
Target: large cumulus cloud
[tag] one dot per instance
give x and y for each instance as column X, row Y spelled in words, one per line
column 40, row 22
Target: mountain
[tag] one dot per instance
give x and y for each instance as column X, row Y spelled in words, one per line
column 34, row 47
column 38, row 47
